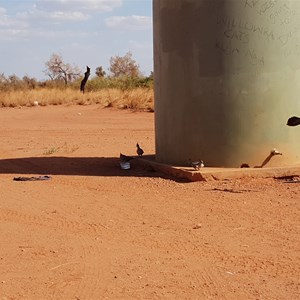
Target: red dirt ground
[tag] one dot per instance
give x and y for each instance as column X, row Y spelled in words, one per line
column 95, row 231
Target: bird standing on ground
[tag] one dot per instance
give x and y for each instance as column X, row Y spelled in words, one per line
column 293, row 121
column 197, row 164
column 139, row 150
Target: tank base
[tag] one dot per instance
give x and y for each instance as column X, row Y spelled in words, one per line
column 209, row 173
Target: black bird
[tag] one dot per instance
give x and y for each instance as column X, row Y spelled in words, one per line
column 293, row 121
column 84, row 80
column 139, row 150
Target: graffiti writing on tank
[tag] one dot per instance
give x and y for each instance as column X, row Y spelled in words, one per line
column 278, row 11
column 255, row 59
column 240, row 29
column 226, row 48
column 238, row 35
column 282, row 15
column 261, row 6
column 285, row 38
column 265, row 21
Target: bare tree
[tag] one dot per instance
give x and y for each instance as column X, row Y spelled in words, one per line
column 124, row 66
column 100, row 72
column 58, row 69
column 3, row 79
column 14, row 79
column 30, row 82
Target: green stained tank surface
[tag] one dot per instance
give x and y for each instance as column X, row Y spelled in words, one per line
column 227, row 79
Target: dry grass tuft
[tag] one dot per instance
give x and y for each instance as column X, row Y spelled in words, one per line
column 135, row 99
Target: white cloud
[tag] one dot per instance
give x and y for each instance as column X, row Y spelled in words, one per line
column 78, row 5
column 55, row 16
column 11, row 28
column 61, row 34
column 3, row 17
column 13, row 34
column 6, row 21
column 67, row 10
column 68, row 16
column 2, row 11
column 129, row 22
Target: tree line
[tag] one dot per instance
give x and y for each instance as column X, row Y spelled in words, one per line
column 123, row 72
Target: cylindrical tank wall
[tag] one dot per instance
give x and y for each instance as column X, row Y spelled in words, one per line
column 227, row 77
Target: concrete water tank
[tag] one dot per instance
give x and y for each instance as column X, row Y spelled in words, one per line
column 227, row 77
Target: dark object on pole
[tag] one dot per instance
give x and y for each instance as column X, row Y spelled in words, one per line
column 293, row 121
column 84, row 80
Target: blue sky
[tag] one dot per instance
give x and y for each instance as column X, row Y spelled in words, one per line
column 83, row 32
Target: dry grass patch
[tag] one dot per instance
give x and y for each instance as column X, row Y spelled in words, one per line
column 136, row 99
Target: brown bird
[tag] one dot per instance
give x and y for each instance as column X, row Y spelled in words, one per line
column 293, row 121
column 139, row 150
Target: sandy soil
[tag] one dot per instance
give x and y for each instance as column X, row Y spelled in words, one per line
column 95, row 231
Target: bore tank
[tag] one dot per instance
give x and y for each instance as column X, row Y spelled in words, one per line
column 227, row 78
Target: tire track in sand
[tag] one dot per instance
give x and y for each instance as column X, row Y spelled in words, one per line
column 83, row 279
column 83, row 276
column 69, row 226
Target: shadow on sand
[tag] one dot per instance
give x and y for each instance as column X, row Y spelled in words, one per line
column 76, row 166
